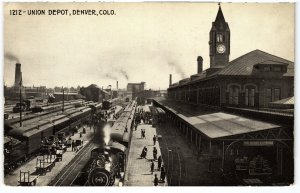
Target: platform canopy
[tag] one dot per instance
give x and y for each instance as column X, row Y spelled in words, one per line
column 216, row 124
column 221, row 124
column 286, row 101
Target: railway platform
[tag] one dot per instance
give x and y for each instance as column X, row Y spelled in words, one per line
column 44, row 180
column 138, row 170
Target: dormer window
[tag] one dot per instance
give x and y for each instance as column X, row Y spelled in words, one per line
column 271, row 66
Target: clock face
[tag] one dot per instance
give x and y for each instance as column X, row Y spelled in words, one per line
column 221, row 49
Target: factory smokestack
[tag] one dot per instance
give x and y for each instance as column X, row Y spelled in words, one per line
column 170, row 81
column 18, row 75
column 200, row 64
column 117, row 85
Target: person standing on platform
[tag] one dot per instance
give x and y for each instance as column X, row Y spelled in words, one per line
column 73, row 145
column 159, row 163
column 154, row 140
column 162, row 174
column 144, row 152
column 152, row 167
column 155, row 180
column 154, row 153
column 69, row 143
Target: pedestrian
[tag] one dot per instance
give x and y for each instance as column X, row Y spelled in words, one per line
column 142, row 133
column 159, row 163
column 69, row 143
column 136, row 125
column 152, row 167
column 154, row 140
column 73, row 145
column 162, row 174
column 155, row 180
column 144, row 152
column 154, row 153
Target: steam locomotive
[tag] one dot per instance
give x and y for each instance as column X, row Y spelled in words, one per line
column 107, row 163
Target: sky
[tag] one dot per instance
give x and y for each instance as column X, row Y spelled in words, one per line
column 141, row 42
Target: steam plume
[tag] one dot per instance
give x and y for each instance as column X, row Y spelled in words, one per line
column 177, row 68
column 124, row 73
column 11, row 57
column 110, row 76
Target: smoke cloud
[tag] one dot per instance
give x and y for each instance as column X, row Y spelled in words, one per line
column 124, row 73
column 11, row 57
column 110, row 76
column 177, row 68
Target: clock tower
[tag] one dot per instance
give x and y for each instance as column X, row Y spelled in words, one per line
column 219, row 41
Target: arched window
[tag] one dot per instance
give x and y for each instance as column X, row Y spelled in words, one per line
column 249, row 96
column 234, row 95
column 220, row 37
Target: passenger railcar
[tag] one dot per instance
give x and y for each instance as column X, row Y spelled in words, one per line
column 35, row 129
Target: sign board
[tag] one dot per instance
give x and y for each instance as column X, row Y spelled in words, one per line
column 258, row 143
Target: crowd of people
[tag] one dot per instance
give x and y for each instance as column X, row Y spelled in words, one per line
column 157, row 159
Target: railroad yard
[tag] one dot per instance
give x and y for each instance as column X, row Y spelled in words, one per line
column 117, row 101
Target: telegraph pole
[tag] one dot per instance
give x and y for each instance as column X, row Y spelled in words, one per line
column 20, row 102
column 63, row 100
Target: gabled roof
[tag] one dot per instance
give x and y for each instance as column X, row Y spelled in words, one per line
column 243, row 65
column 93, row 86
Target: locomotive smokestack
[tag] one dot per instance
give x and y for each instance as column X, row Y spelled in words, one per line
column 200, row 64
column 18, row 75
column 170, row 81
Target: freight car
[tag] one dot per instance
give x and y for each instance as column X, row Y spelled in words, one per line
column 158, row 115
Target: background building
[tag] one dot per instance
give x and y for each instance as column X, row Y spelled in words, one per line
column 134, row 88
column 94, row 93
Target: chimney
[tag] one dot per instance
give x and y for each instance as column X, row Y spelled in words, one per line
column 117, row 85
column 200, row 64
column 170, row 81
column 18, row 74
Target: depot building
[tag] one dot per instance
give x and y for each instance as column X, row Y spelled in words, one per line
column 225, row 112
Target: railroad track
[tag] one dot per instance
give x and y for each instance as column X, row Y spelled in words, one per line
column 67, row 176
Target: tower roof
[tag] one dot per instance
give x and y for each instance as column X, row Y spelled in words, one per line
column 220, row 16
